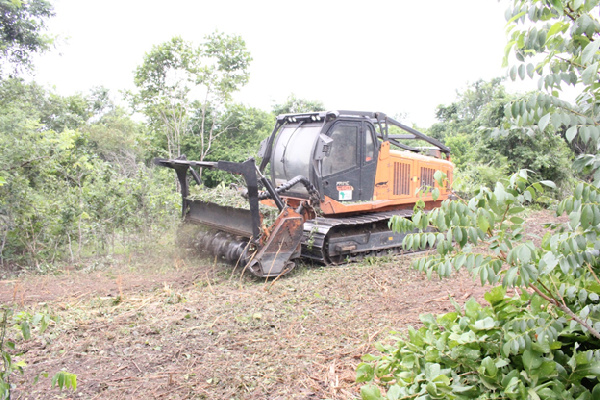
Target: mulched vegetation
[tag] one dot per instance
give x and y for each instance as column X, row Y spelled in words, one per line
column 172, row 326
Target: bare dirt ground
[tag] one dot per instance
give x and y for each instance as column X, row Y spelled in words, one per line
column 166, row 326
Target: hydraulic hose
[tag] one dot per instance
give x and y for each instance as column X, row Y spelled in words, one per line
column 310, row 188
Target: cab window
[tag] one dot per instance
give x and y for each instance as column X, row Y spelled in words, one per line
column 370, row 145
column 344, row 149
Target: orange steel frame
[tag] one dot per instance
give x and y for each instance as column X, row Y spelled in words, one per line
column 384, row 198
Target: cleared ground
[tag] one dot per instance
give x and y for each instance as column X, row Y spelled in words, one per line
column 173, row 326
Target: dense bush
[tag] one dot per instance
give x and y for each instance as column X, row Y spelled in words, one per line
column 71, row 184
column 512, row 349
column 474, row 129
column 541, row 344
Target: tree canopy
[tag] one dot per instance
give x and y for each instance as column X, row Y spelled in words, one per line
column 481, row 157
column 557, row 42
column 293, row 105
column 22, row 26
column 183, row 89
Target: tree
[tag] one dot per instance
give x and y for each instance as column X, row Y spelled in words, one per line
column 293, row 105
column 247, row 128
column 22, row 23
column 460, row 121
column 73, row 177
column 540, row 343
column 183, row 88
column 544, row 341
column 481, row 157
column 558, row 41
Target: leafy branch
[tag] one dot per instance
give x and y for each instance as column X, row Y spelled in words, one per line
column 23, row 323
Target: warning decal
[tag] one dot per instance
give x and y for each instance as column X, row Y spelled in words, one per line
column 345, row 190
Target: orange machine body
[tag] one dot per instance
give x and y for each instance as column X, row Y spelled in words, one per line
column 401, row 179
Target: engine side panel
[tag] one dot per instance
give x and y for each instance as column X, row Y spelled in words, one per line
column 403, row 176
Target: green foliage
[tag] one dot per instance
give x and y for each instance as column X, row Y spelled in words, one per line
column 246, row 128
column 512, row 349
column 546, row 155
column 475, row 175
column 463, row 151
column 480, row 104
column 183, row 89
column 542, row 343
column 116, row 138
column 21, row 32
column 16, row 327
column 71, row 184
column 470, row 127
column 230, row 70
column 49, row 110
column 294, row 105
column 64, row 379
column 557, row 42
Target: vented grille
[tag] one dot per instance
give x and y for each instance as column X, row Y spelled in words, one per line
column 401, row 178
column 427, row 177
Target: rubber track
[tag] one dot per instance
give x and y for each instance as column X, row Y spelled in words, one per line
column 316, row 231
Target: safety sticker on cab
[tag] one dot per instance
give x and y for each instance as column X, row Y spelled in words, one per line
column 344, row 190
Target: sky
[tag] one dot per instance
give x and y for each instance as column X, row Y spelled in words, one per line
column 400, row 57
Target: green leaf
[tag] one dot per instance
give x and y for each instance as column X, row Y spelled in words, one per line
column 530, row 70
column 543, row 123
column 584, row 133
column 571, row 133
column 364, row 372
column 522, row 71
column 513, row 76
column 587, row 216
column 495, row 295
column 549, row 184
column 596, row 391
column 483, row 223
column 594, row 133
column 393, row 392
column 548, row 262
column 484, row 324
column 524, row 254
column 589, row 52
column 590, row 75
column 439, row 177
column 26, row 330
column 516, row 210
column 517, row 220
column 64, row 379
column 578, row 190
column 516, row 17
column 557, row 27
column 558, row 5
column 574, row 219
column 431, row 239
column 435, row 194
column 370, row 392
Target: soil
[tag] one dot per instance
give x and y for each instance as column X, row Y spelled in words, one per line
column 167, row 325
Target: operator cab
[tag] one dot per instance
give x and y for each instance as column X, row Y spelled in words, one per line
column 338, row 155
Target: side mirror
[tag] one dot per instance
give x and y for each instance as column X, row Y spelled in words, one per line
column 323, row 147
column 263, row 148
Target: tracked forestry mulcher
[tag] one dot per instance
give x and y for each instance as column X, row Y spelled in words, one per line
column 335, row 181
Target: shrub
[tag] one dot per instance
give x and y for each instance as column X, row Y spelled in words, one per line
column 543, row 344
